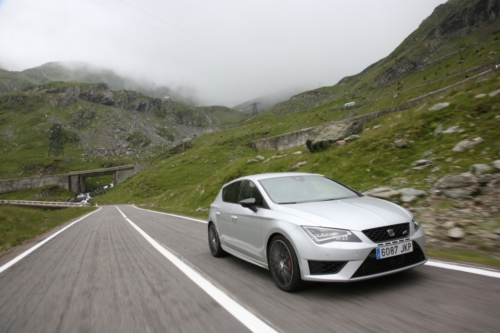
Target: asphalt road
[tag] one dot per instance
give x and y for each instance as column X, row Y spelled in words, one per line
column 101, row 275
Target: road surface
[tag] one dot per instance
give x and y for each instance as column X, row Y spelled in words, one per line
column 102, row 275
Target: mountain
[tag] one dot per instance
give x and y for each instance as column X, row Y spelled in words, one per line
column 98, row 126
column 82, row 72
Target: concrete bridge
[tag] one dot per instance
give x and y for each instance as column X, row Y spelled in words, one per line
column 73, row 181
column 76, row 179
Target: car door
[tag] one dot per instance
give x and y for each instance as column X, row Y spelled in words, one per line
column 247, row 224
column 230, row 195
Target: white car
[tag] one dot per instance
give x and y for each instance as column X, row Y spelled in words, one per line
column 304, row 226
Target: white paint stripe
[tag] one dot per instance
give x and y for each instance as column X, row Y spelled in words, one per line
column 466, row 269
column 247, row 318
column 180, row 216
column 26, row 253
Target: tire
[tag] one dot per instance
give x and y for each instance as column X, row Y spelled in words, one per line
column 284, row 265
column 214, row 242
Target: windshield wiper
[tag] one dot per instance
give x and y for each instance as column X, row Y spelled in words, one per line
column 337, row 199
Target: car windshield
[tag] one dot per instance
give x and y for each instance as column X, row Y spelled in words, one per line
column 297, row 189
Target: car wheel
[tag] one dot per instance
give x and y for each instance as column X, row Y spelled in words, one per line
column 284, row 265
column 214, row 242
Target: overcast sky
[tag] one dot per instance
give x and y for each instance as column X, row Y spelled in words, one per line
column 229, row 51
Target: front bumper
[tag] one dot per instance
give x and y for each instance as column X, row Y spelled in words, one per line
column 352, row 261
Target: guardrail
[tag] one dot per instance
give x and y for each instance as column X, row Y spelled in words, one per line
column 43, row 203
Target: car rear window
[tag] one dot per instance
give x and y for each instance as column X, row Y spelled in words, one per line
column 231, row 192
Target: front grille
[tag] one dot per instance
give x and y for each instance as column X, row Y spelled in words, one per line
column 326, row 267
column 378, row 235
column 373, row 266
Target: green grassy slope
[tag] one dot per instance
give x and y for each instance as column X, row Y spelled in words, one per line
column 44, row 193
column 189, row 180
column 18, row 224
column 27, row 117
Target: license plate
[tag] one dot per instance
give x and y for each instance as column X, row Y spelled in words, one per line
column 394, row 250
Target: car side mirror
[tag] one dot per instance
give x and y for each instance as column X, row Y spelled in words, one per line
column 249, row 203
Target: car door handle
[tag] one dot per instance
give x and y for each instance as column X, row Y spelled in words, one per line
column 234, row 217
column 217, row 213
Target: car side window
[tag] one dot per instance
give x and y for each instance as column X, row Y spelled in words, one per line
column 249, row 190
column 231, row 192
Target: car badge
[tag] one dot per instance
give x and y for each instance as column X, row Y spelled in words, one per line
column 405, row 232
column 391, row 232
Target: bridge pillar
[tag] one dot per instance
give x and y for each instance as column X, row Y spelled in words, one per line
column 74, row 183
column 82, row 184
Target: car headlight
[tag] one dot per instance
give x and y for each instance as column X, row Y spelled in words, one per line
column 416, row 226
column 322, row 235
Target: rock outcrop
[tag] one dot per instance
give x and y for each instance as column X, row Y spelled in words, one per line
column 322, row 137
column 457, row 186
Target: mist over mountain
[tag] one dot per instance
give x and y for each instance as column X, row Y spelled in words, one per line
column 86, row 73
column 264, row 103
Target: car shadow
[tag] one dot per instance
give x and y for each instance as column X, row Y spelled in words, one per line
column 379, row 285
column 339, row 290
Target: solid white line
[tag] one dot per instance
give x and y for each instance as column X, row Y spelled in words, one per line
column 251, row 321
column 466, row 269
column 26, row 253
column 180, row 216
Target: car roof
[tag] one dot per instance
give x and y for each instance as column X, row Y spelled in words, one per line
column 262, row 176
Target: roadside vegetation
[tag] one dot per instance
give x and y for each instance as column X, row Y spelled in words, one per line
column 45, row 193
column 18, row 224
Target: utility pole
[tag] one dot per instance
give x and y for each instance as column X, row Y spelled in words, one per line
column 254, row 110
column 56, row 145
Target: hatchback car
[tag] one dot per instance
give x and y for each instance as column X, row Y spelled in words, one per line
column 304, row 226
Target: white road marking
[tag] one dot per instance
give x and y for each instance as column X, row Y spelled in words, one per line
column 467, row 269
column 180, row 216
column 247, row 318
column 26, row 253
column 433, row 263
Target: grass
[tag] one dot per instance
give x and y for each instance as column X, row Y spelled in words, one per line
column 26, row 119
column 191, row 179
column 93, row 183
column 18, row 224
column 45, row 193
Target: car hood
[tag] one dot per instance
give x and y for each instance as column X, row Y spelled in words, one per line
column 354, row 214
